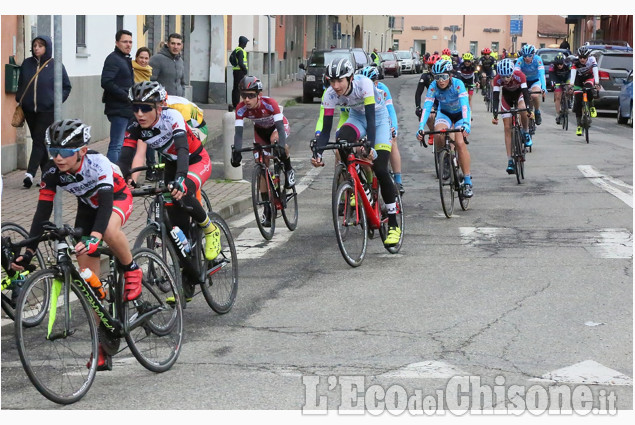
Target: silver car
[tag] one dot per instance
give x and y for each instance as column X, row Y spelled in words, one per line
column 613, row 67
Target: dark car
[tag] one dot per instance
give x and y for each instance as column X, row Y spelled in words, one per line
column 313, row 81
column 390, row 64
column 625, row 105
column 613, row 68
column 608, row 45
column 363, row 59
column 547, row 55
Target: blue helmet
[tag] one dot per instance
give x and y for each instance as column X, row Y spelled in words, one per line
column 370, row 72
column 505, row 68
column 442, row 67
column 527, row 49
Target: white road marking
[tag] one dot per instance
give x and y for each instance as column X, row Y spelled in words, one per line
column 604, row 182
column 613, row 243
column 426, row 370
column 587, row 372
column 251, row 244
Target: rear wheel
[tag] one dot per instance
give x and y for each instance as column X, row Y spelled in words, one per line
column 446, row 186
column 349, row 220
column 517, row 139
column 151, row 238
column 260, row 204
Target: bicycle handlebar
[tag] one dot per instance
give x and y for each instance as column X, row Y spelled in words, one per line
column 444, row 131
column 149, row 190
column 512, row 110
column 339, row 144
column 255, row 147
column 51, row 232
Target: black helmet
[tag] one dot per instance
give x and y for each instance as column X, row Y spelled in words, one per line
column 147, row 91
column 250, row 82
column 559, row 59
column 69, row 133
column 339, row 68
column 583, row 52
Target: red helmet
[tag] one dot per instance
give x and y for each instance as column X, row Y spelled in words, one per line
column 486, row 51
column 446, row 51
column 432, row 59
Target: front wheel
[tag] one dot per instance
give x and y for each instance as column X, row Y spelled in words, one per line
column 261, row 198
column 446, row 182
column 383, row 229
column 221, row 274
column 151, row 237
column 517, row 139
column 349, row 220
column 290, row 211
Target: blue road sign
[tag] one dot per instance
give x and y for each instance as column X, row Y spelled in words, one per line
column 516, row 25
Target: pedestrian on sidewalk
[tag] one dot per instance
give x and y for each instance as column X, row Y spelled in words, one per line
column 239, row 63
column 35, row 89
column 116, row 79
column 168, row 67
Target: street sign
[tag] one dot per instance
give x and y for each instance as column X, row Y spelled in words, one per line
column 516, row 25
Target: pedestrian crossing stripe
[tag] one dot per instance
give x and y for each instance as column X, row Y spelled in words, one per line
column 587, row 372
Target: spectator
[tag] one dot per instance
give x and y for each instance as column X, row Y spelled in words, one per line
column 38, row 100
column 375, row 57
column 565, row 44
column 168, row 68
column 116, row 79
column 142, row 72
column 240, row 67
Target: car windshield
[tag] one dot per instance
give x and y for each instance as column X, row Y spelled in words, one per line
column 404, row 55
column 387, row 56
column 617, row 62
column 360, row 57
column 322, row 58
column 547, row 57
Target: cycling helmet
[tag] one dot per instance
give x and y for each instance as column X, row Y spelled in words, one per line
column 339, row 68
column 446, row 51
column 249, row 82
column 527, row 49
column 505, row 68
column 68, row 133
column 486, row 51
column 147, row 91
column 433, row 59
column 583, row 52
column 370, row 72
column 455, row 52
column 468, row 56
column 442, row 67
column 559, row 59
column 446, row 57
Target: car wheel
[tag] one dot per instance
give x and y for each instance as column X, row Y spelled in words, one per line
column 307, row 98
column 620, row 117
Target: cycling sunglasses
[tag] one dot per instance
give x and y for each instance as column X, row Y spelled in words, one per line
column 442, row 77
column 63, row 152
column 143, row 107
column 248, row 95
column 529, row 57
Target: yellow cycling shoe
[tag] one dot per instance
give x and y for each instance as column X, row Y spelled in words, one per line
column 394, row 234
column 578, row 131
column 352, row 201
column 212, row 242
column 593, row 112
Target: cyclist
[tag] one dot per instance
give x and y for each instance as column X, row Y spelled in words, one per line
column 465, row 73
column 368, row 116
column 456, row 60
column 559, row 74
column 487, row 64
column 424, row 83
column 270, row 126
column 512, row 83
column 584, row 73
column 192, row 114
column 531, row 65
column 453, row 112
column 187, row 163
column 104, row 203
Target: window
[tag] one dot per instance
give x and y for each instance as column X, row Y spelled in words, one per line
column 395, row 44
column 494, row 46
column 80, row 31
column 474, row 47
column 542, row 45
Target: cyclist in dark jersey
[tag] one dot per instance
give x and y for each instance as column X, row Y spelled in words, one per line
column 487, row 63
column 466, row 73
column 559, row 74
column 584, row 73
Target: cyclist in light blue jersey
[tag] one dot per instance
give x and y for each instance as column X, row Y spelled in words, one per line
column 453, row 112
column 531, row 65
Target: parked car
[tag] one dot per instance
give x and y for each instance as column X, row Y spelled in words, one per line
column 625, row 105
column 418, row 62
column 390, row 64
column 547, row 55
column 613, row 68
column 363, row 59
column 313, row 81
column 406, row 60
column 608, row 45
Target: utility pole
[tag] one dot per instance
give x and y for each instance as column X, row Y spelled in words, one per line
column 57, row 100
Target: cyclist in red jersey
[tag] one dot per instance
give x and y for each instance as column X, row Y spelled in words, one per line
column 187, row 164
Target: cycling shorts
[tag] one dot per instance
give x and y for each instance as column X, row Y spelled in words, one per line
column 450, row 120
column 509, row 99
column 198, row 172
column 383, row 137
column 534, row 83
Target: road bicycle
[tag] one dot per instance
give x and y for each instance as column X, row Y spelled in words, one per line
column 487, row 93
column 449, row 172
column 271, row 183
column 357, row 206
column 12, row 280
column 58, row 351
column 218, row 278
column 564, row 107
column 585, row 120
column 519, row 149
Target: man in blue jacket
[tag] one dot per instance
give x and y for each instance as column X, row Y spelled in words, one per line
column 116, row 79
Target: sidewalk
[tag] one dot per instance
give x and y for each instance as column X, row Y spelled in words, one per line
column 227, row 197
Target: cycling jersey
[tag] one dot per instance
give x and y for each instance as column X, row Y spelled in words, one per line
column 511, row 90
column 534, row 71
column 265, row 116
column 454, row 99
column 466, row 74
column 487, row 63
column 192, row 114
column 581, row 73
column 363, row 93
column 560, row 75
column 389, row 106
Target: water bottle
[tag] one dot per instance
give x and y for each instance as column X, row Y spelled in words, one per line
column 92, row 279
column 180, row 239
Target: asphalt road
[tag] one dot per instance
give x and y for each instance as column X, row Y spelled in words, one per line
column 532, row 286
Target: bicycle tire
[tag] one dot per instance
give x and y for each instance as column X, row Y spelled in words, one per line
column 516, row 141
column 436, row 160
column 339, row 176
column 220, row 288
column 7, row 306
column 290, row 211
column 151, row 237
column 350, row 227
column 464, row 202
column 57, row 367
column 157, row 340
column 446, row 185
column 205, row 202
column 383, row 229
column 259, row 204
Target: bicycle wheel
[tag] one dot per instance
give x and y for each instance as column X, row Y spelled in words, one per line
column 436, row 160
column 156, row 339
column 350, row 224
column 57, row 351
column 205, row 202
column 221, row 275
column 446, row 186
column 258, row 196
column 463, row 201
column 290, row 211
column 517, row 139
column 383, row 229
column 11, row 293
column 150, row 237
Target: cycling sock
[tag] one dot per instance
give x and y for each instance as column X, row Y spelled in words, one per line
column 207, row 226
column 467, row 179
column 392, row 220
column 287, row 163
column 130, row 267
column 397, row 177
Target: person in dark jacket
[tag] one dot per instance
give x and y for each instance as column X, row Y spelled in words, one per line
column 38, row 102
column 240, row 69
column 116, row 79
column 168, row 67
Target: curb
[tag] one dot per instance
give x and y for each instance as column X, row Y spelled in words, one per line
column 239, row 206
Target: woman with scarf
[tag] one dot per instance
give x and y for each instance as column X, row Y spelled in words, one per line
column 142, row 72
